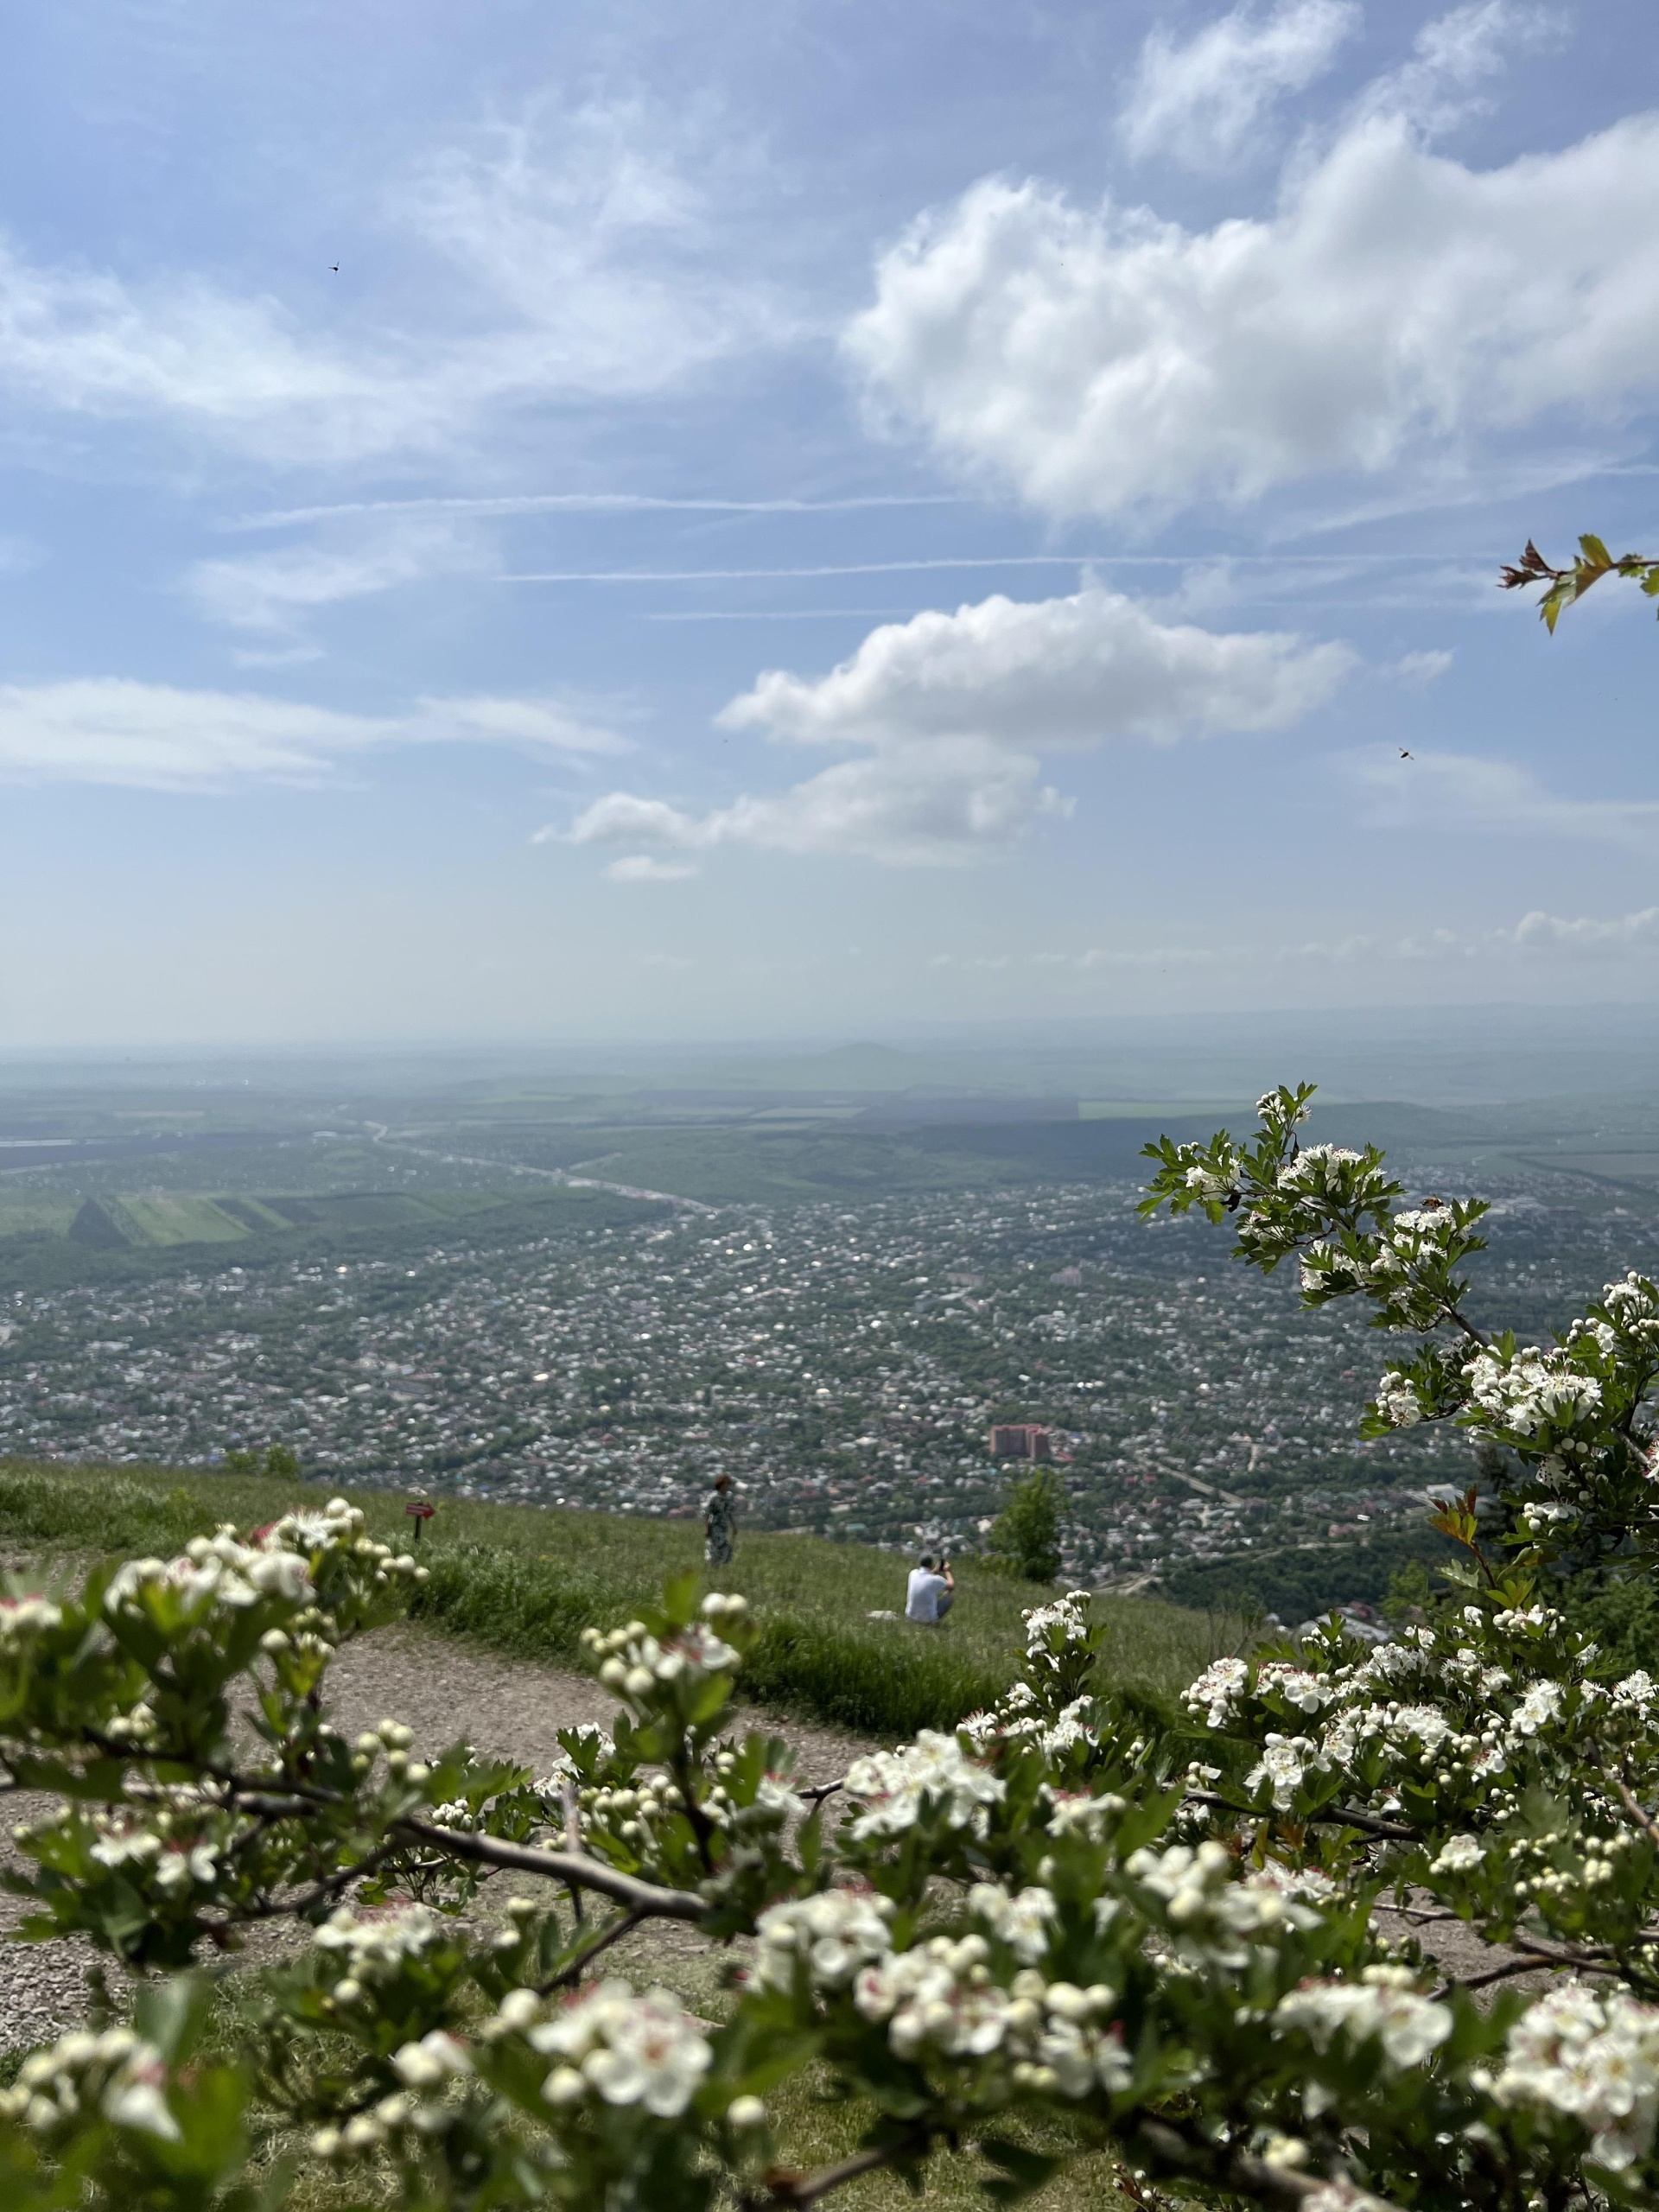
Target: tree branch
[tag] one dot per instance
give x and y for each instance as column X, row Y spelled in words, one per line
column 645, row 1899
column 785, row 2187
column 580, row 1964
column 1345, row 1817
column 1529, row 1962
column 1177, row 2152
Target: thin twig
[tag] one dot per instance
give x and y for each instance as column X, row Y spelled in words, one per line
column 1345, row 1816
column 572, row 1839
column 1643, row 1820
column 1529, row 1962
column 643, row 1897
column 784, row 2187
column 1175, row 2152
column 579, row 1965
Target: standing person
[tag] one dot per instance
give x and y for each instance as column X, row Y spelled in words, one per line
column 719, row 1523
column 932, row 1591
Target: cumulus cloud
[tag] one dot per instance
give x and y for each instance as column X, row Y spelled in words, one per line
column 936, row 803
column 950, row 714
column 587, row 251
column 1395, row 304
column 1201, row 101
column 1541, row 933
column 159, row 737
column 1452, row 791
column 1053, row 671
column 1536, row 934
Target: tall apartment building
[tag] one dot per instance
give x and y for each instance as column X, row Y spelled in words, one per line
column 1020, row 1441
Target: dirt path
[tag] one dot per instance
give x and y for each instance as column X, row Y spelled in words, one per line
column 512, row 1708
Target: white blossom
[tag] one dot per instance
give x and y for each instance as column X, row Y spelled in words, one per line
column 1023, row 1923
column 894, row 1787
column 642, row 2051
column 1458, row 1854
column 835, row 1932
column 1595, row 2058
column 1409, row 2026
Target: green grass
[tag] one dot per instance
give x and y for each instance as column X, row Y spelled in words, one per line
column 528, row 1581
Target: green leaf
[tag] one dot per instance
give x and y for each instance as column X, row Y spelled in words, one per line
column 1023, row 2172
column 680, row 1597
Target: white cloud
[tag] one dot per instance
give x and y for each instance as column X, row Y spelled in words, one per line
column 1537, row 934
column 1395, row 304
column 274, row 591
column 938, row 803
column 1201, row 102
column 600, row 229
column 586, row 252
column 1540, row 932
column 1455, row 52
column 641, row 867
column 158, row 737
column 1452, row 791
column 1049, row 673
column 1418, row 671
column 951, row 713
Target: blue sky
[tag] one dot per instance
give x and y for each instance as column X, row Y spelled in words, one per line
column 797, row 518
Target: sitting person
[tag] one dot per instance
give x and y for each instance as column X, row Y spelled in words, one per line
column 932, row 1591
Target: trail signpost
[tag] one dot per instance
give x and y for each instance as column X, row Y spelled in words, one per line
column 420, row 1511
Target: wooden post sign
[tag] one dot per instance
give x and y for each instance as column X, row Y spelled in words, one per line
column 420, row 1512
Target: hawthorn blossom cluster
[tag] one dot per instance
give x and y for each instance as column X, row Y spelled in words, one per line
column 370, row 1947
column 933, row 1777
column 940, row 2000
column 226, row 1572
column 1593, row 2056
column 116, row 2076
column 832, row 1935
column 644, row 2051
column 635, row 1663
column 1213, row 1914
column 424, row 2069
column 25, row 1617
column 1382, row 2004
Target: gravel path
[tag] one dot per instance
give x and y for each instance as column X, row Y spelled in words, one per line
column 509, row 1708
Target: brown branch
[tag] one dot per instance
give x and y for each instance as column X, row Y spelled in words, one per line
column 1529, row 1962
column 1345, row 1817
column 579, row 1965
column 1645, row 1820
column 1175, row 2152
column 785, row 2187
column 645, row 1899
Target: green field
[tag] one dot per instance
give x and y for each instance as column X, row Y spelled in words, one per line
column 528, row 1581
column 176, row 1219
column 30, row 1216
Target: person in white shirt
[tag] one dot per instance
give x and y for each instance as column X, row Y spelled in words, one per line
column 932, row 1591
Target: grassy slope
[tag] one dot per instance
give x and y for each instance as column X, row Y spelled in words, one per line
column 526, row 1580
